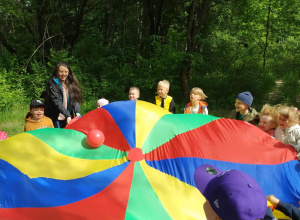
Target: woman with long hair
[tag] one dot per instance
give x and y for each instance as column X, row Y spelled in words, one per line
column 63, row 96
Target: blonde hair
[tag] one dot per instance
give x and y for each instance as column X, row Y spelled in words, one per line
column 164, row 83
column 136, row 88
column 290, row 113
column 103, row 101
column 198, row 91
column 271, row 111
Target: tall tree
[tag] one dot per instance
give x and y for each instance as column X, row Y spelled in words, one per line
column 196, row 18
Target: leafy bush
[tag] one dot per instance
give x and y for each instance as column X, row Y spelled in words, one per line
column 11, row 90
column 229, row 69
column 286, row 67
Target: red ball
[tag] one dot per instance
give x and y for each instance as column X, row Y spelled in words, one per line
column 95, row 138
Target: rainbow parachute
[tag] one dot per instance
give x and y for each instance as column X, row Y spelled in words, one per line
column 144, row 170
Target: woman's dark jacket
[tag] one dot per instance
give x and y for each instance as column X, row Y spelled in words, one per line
column 54, row 101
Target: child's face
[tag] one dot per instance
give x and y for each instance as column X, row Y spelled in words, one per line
column 162, row 91
column 133, row 94
column 240, row 106
column 194, row 97
column 265, row 123
column 99, row 104
column 283, row 122
column 63, row 73
column 37, row 112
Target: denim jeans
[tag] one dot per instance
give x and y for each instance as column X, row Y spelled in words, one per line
column 60, row 124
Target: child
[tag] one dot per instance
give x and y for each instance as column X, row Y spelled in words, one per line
column 196, row 106
column 243, row 111
column 134, row 93
column 269, row 119
column 35, row 118
column 232, row 194
column 163, row 99
column 288, row 131
column 102, row 102
column 287, row 209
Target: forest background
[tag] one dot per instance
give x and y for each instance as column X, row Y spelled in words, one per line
column 223, row 46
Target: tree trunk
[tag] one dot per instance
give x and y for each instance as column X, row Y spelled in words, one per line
column 26, row 22
column 267, row 35
column 6, row 45
column 109, row 22
column 184, row 75
column 78, row 22
column 196, row 19
column 155, row 9
column 139, row 11
column 41, row 8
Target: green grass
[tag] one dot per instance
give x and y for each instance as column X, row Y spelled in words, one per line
column 12, row 120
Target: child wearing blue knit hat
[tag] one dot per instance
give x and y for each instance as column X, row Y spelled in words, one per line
column 243, row 111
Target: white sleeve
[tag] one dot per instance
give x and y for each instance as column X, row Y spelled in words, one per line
column 297, row 137
column 205, row 111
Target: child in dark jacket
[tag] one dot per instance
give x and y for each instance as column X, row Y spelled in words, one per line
column 287, row 209
column 243, row 111
column 163, row 99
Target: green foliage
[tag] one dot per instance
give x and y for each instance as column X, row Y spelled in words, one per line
column 11, row 90
column 285, row 66
column 35, row 82
column 290, row 90
column 231, row 68
column 57, row 56
column 12, row 119
column 100, row 65
column 114, row 50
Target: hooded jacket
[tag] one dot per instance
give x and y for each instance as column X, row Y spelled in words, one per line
column 252, row 117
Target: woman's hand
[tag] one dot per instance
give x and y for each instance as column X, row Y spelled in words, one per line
column 68, row 120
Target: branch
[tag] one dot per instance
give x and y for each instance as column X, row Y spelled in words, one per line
column 190, row 25
column 201, row 19
column 6, row 45
column 78, row 21
column 219, row 2
column 38, row 49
